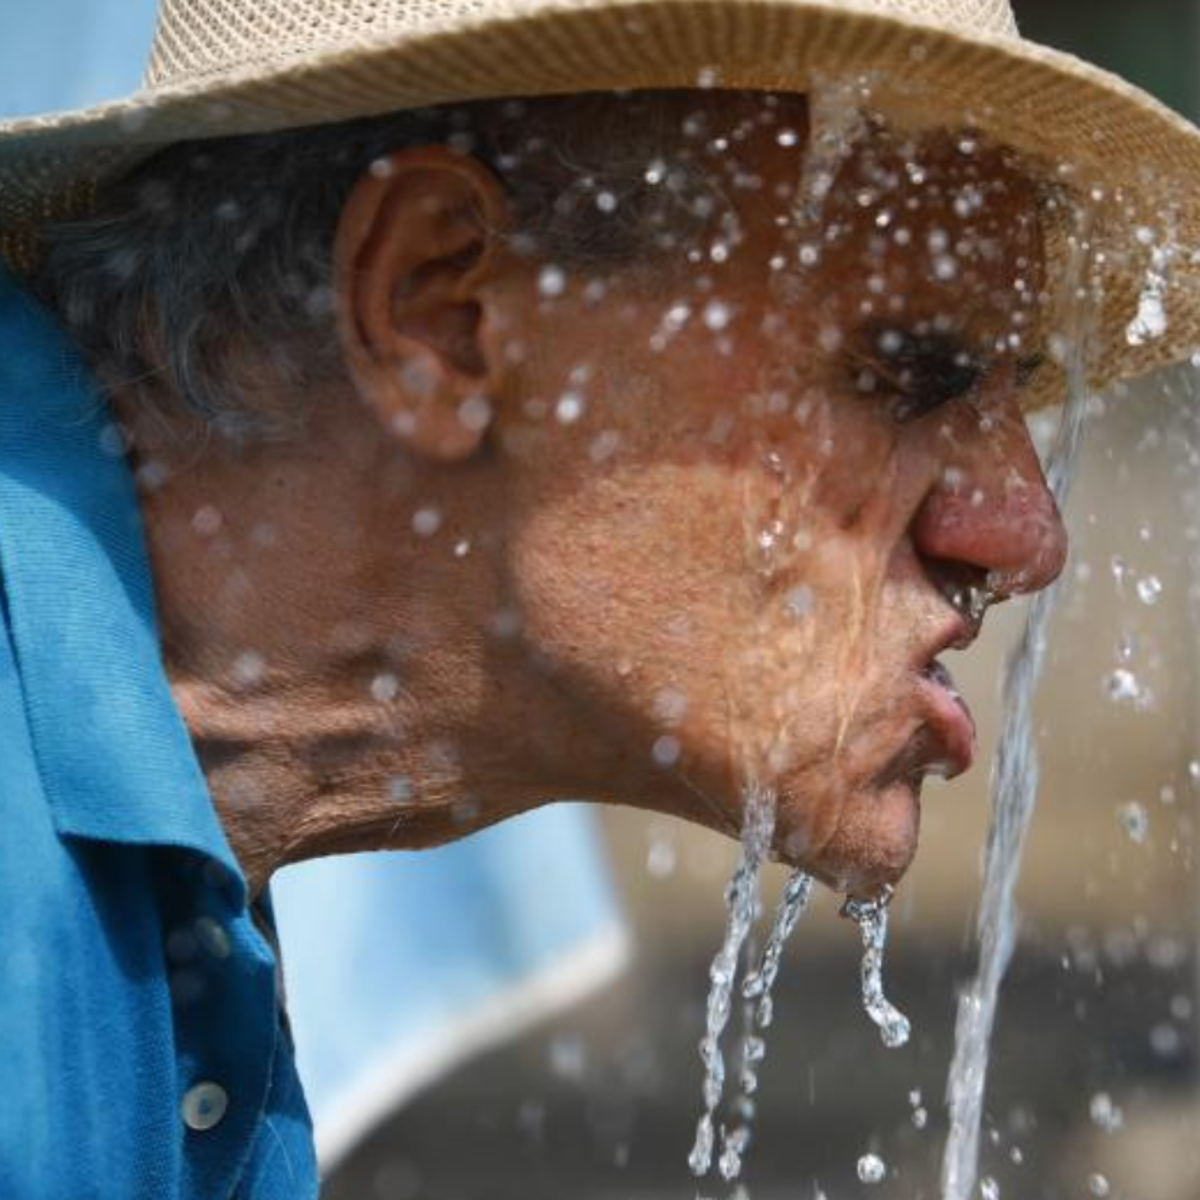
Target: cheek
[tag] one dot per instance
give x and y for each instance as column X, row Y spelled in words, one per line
column 642, row 563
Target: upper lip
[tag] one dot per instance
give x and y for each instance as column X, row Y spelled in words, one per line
column 959, row 634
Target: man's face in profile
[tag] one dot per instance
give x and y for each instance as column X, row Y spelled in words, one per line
column 693, row 522
column 743, row 498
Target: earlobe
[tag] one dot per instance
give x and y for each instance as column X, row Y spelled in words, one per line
column 416, row 244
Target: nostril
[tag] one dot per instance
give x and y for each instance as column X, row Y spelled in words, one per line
column 968, row 589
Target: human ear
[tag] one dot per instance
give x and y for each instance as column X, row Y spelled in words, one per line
column 415, row 244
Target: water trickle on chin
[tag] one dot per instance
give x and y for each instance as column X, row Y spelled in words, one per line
column 871, row 916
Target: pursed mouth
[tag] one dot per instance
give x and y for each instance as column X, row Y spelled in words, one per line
column 943, row 745
column 951, row 722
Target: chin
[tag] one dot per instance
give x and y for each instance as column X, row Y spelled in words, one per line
column 864, row 845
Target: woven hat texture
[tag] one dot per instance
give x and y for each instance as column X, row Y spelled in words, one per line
column 223, row 67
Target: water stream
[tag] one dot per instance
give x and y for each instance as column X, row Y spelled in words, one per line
column 759, row 1007
column 1014, row 788
column 871, row 916
column 742, row 901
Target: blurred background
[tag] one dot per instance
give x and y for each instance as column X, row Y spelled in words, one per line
column 592, row 1088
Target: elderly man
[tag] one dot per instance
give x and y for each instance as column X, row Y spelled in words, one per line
column 635, row 446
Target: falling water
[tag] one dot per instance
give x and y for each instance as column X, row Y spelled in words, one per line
column 1014, row 792
column 742, row 899
column 871, row 916
column 756, row 993
column 836, row 125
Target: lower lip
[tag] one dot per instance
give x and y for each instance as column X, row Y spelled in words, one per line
column 953, row 719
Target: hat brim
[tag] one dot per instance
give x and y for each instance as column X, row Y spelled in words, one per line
column 1083, row 123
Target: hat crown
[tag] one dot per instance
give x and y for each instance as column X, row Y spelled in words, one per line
column 199, row 38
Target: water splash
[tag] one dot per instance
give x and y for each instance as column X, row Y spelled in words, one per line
column 1150, row 324
column 742, row 900
column 836, row 126
column 1014, row 780
column 756, row 992
column 871, row 1168
column 871, row 916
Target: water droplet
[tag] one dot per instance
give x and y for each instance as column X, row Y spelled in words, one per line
column 462, row 548
column 1150, row 323
column 207, row 520
column 505, row 622
column 249, row 667
column 604, row 446
column 568, row 1056
column 661, row 858
column 920, row 1118
column 426, row 521
column 666, row 751
column 474, row 413
column 945, row 267
column 799, row 601
column 552, row 281
column 1105, row 1114
column 1166, row 1041
column 735, row 1144
column 1135, row 822
column 569, row 408
column 1098, row 1185
column 700, row 1158
column 1123, row 687
column 670, row 705
column 871, row 1168
column 717, row 315
column 385, row 687
column 989, row 1189
column 1149, row 589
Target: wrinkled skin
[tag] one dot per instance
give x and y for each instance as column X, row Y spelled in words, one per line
column 730, row 564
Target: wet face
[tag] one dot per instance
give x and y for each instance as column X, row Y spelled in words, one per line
column 642, row 534
column 752, row 498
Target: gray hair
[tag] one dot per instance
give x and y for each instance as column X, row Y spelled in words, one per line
column 214, row 248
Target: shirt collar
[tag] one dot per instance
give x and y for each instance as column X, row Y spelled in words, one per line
column 114, row 755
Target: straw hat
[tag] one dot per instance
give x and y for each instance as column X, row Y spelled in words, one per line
column 221, row 67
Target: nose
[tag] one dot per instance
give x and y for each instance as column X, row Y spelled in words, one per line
column 991, row 509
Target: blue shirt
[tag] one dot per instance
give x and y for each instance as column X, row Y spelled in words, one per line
column 144, row 1051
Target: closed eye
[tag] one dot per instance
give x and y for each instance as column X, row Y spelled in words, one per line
column 914, row 374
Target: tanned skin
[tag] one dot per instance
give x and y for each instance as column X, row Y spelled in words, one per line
column 727, row 556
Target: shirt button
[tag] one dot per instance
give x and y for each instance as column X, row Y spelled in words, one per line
column 212, row 936
column 203, row 1106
